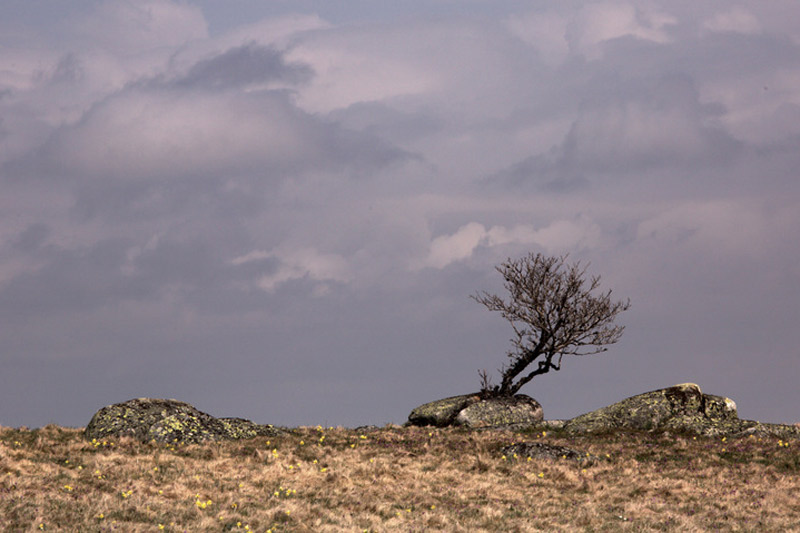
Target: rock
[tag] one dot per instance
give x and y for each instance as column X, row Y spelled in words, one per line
column 719, row 408
column 469, row 410
column 506, row 412
column 441, row 412
column 552, row 424
column 763, row 429
column 241, row 428
column 681, row 408
column 169, row 421
column 369, row 428
column 541, row 450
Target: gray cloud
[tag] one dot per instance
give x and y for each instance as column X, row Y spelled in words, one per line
column 230, row 134
column 212, row 138
column 243, row 66
column 660, row 126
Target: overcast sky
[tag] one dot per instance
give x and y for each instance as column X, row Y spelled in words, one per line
column 278, row 210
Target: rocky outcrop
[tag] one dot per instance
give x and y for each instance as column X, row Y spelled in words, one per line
column 682, row 408
column 506, row 412
column 469, row 410
column 169, row 421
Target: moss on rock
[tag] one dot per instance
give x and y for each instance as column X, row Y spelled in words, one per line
column 241, row 428
column 168, row 421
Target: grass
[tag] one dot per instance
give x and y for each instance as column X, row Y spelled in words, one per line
column 397, row 479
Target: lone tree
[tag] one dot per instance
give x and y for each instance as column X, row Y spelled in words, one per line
column 553, row 313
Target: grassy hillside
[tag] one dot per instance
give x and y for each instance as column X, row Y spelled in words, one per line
column 397, row 479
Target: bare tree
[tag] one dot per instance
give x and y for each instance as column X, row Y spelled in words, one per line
column 553, row 313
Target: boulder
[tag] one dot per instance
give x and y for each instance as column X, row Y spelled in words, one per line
column 508, row 412
column 442, row 412
column 683, row 407
column 169, row 421
column 470, row 410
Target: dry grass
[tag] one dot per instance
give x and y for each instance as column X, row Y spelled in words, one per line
column 397, row 479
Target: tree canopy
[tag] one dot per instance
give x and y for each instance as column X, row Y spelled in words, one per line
column 554, row 312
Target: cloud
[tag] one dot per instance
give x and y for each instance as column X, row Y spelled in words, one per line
column 297, row 264
column 661, row 125
column 459, row 68
column 598, row 23
column 559, row 236
column 739, row 229
column 446, row 249
column 249, row 66
column 737, row 20
column 545, row 31
column 360, row 66
column 225, row 120
column 167, row 134
column 665, row 124
column 130, row 27
column 312, row 197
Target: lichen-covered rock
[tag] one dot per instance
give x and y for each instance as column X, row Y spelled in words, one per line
column 719, row 407
column 168, row 421
column 510, row 412
column 241, row 428
column 441, row 412
column 541, row 450
column 683, row 407
column 552, row 424
column 763, row 429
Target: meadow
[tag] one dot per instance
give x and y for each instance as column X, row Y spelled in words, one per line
column 395, row 478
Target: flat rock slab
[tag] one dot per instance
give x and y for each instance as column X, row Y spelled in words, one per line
column 169, row 421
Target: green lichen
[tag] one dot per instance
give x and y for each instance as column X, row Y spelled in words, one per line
column 168, row 421
column 240, row 428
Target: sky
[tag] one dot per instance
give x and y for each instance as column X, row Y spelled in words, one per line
column 279, row 210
